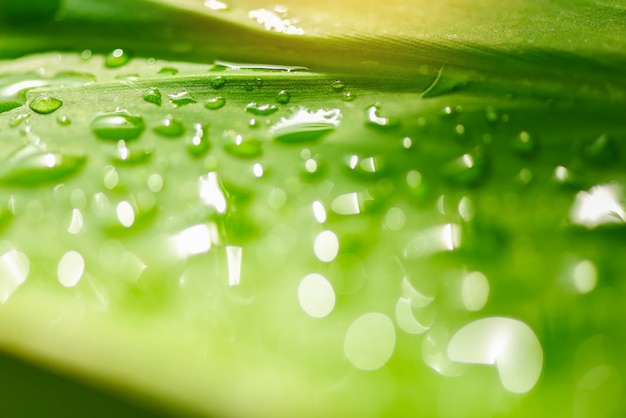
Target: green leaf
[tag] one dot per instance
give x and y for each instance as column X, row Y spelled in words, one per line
column 350, row 217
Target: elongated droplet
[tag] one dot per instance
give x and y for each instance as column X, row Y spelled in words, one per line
column 117, row 125
column 305, row 126
column 45, row 104
column 170, row 127
column 338, row 85
column 215, row 103
column 218, row 82
column 152, row 95
column 32, row 166
column 168, row 71
column 261, row 110
column 182, row 98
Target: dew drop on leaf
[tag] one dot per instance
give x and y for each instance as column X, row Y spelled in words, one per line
column 235, row 144
column 199, row 144
column 305, row 126
column 34, row 166
column 338, row 85
column 117, row 125
column 182, row 98
column 468, row 169
column 126, row 155
column 218, row 82
column 152, row 95
column 283, row 97
column 63, row 120
column 170, row 127
column 525, row 144
column 261, row 110
column 168, row 71
column 375, row 120
column 348, row 97
column 116, row 58
column 45, row 104
column 491, row 114
column 215, row 103
column 17, row 120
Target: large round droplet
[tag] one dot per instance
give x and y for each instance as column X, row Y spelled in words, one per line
column 70, row 268
column 45, row 104
column 182, row 98
column 304, row 125
column 370, row 341
column 316, row 295
column 117, row 125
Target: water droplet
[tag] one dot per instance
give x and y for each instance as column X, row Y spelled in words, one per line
column 170, row 127
column 17, row 120
column 111, row 178
column 367, row 167
column 283, row 97
column 182, row 98
column 604, row 150
column 14, row 269
column 585, row 276
column 199, row 144
column 237, row 145
column 193, row 240
column 45, row 104
column 131, row 156
column 125, row 214
column 218, row 82
column 460, row 129
column 326, row 246
column 434, row 240
column 524, row 177
column 491, row 114
column 474, row 291
column 168, row 71
column 70, row 268
column 508, row 344
column 373, row 119
column 305, row 126
column 155, row 183
column 319, row 212
column 348, row 97
column 313, row 168
column 257, row 170
column 13, row 88
column 63, row 120
column 338, row 85
column 117, row 125
column 468, row 169
column 370, row 341
column 564, row 176
column 152, row 95
column 346, row 204
column 395, row 219
column 316, row 295
column 407, row 143
column 76, row 223
column 215, row 103
column 525, row 144
column 261, row 110
column 127, row 77
column 33, row 166
column 117, row 58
